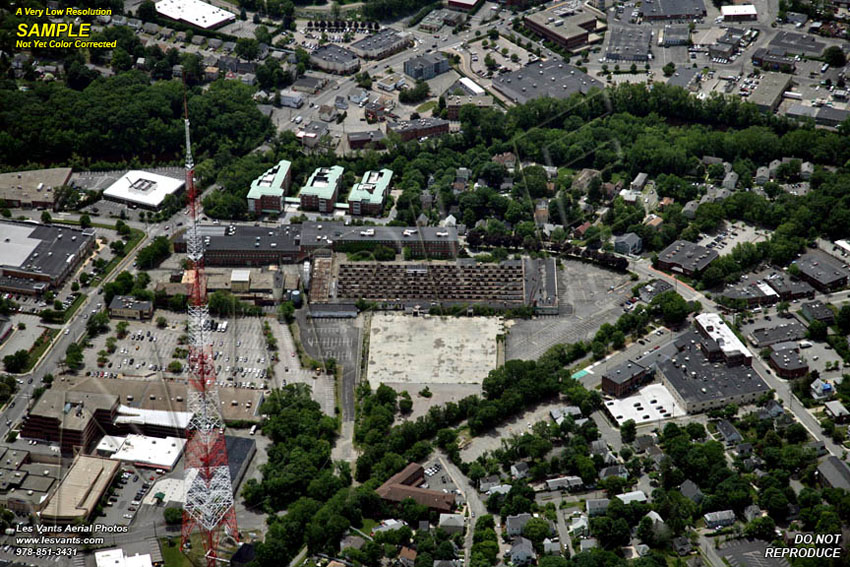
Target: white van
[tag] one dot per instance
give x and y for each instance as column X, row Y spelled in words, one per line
column 298, row 119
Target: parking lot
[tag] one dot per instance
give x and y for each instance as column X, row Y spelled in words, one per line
column 131, row 487
column 240, row 354
column 588, row 297
column 731, row 235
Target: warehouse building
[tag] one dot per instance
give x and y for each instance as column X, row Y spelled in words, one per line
column 686, row 258
column 464, row 5
column 565, row 26
column 629, row 43
column 142, row 451
column 382, row 44
column 674, row 35
column 426, row 241
column 143, row 189
column 821, row 272
column 36, row 257
column 335, row 59
column 789, row 330
column 369, row 195
column 791, row 43
column 267, row 191
column 544, row 79
column 699, row 384
column 774, row 60
column 427, row 66
column 720, row 342
column 195, row 13
column 321, row 189
column 768, row 93
column 673, row 10
column 33, row 189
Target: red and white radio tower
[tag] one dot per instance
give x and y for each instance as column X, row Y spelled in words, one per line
column 208, row 504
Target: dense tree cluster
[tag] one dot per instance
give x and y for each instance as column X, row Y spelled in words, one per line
column 125, row 120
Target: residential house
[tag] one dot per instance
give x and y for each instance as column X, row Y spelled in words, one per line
column 629, row 243
column 691, row 491
column 834, row 473
column 515, row 524
column 727, row 431
column 821, row 390
column 522, row 552
column 836, row 410
column 519, row 470
column 714, row 520
column 407, row 557
column 451, row 523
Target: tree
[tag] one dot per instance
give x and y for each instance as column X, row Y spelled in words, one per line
column 817, row 330
column 173, row 515
column 154, row 254
column 834, row 55
column 286, row 311
column 761, row 528
column 175, row 367
column 46, row 218
column 161, row 322
column 247, row 48
column 97, row 324
column 536, row 529
column 628, row 431
column 147, row 11
column 74, row 356
column 17, row 362
column 669, row 69
column 85, row 221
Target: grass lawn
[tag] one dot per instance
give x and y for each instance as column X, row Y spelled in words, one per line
column 40, row 346
column 172, row 556
column 425, row 107
column 136, row 236
column 73, row 307
column 368, row 525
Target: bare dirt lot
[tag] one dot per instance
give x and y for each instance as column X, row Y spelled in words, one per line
column 432, row 350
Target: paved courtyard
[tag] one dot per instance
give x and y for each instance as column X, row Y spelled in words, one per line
column 431, row 350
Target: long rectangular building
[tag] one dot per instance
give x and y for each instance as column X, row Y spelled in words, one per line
column 33, row 189
column 267, row 191
column 566, row 27
column 241, row 245
column 368, row 196
column 426, row 241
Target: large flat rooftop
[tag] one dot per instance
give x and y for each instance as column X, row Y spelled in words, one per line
column 545, row 79
column 41, row 249
column 143, row 188
column 195, row 12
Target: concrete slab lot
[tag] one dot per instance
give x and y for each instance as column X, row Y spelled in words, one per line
column 433, row 350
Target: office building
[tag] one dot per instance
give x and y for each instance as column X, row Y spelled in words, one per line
column 369, row 195
column 33, row 189
column 464, row 5
column 195, row 13
column 720, row 342
column 382, row 44
column 419, row 128
column 126, row 307
column 142, row 451
column 686, row 258
column 427, row 66
column 823, row 273
column 406, row 484
column 673, row 10
column 629, row 43
column 80, row 491
column 321, row 190
column 143, row 189
column 335, row 59
column 818, row 311
column 241, row 245
column 625, row 378
column 267, row 191
column 72, row 419
column 373, row 139
column 739, row 13
column 564, row 26
column 455, row 102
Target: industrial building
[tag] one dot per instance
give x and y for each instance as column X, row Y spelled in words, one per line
column 321, row 190
column 629, row 43
column 673, row 10
column 242, row 245
column 565, row 26
column 382, row 44
column 720, row 342
column 785, row 359
column 769, row 92
column 369, row 195
column 195, row 13
column 818, row 311
column 465, row 5
column 80, row 491
column 686, row 258
column 674, row 35
column 774, row 60
column 699, row 384
column 788, row 330
column 126, row 307
column 335, row 59
column 419, row 128
column 429, row 242
column 267, row 191
column 37, row 257
column 544, row 79
column 33, row 189
column 427, row 66
column 791, row 43
column 143, row 189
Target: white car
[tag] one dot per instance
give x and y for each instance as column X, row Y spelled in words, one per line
column 128, row 516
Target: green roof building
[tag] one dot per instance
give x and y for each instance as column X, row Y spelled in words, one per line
column 368, row 196
column 321, row 189
column 267, row 191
